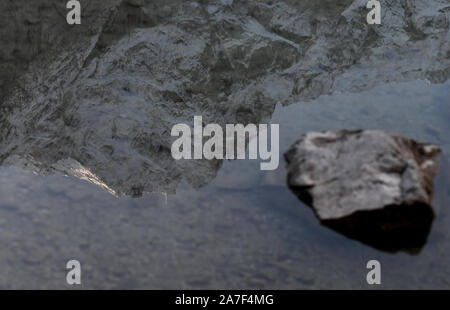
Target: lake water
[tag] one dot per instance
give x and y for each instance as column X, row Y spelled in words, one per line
column 244, row 230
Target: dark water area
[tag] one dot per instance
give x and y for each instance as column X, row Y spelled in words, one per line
column 243, row 230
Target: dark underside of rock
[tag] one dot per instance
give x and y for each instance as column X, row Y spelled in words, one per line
column 393, row 228
column 372, row 186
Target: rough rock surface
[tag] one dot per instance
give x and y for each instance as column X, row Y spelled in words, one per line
column 99, row 99
column 371, row 185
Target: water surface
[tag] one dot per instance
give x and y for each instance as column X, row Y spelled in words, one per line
column 244, row 230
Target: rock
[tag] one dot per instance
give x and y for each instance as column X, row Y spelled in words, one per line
column 370, row 185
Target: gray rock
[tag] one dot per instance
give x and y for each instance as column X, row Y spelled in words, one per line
column 370, row 185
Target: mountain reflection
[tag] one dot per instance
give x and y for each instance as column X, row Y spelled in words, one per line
column 98, row 101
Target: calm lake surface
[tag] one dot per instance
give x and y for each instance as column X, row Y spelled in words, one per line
column 244, row 230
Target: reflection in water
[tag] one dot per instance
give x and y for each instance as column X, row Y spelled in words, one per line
column 104, row 112
column 243, row 230
column 113, row 109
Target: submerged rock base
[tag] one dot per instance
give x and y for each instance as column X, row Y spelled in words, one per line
column 392, row 228
column 370, row 185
